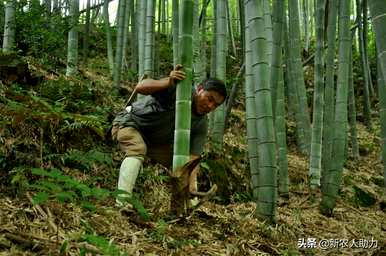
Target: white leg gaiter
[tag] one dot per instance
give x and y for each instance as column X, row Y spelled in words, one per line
column 128, row 173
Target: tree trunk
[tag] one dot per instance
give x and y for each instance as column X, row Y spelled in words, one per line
column 9, row 26
column 86, row 32
column 141, row 14
column 362, row 50
column 317, row 123
column 201, row 68
column 149, row 44
column 72, row 51
column 268, row 30
column 221, row 53
column 175, row 31
column 352, row 111
column 213, row 52
column 163, row 17
column 126, row 34
column 334, row 174
column 196, row 45
column 184, row 88
column 110, row 54
column 278, row 102
column 329, row 90
column 365, row 41
column 119, row 43
column 378, row 17
column 230, row 29
column 232, row 96
column 382, row 113
column 242, row 26
column 134, row 38
column 295, row 56
column 267, row 185
column 250, row 113
column 305, row 25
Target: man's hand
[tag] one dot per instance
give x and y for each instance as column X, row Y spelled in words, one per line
column 150, row 86
column 176, row 75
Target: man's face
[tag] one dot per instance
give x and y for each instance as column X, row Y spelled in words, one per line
column 206, row 101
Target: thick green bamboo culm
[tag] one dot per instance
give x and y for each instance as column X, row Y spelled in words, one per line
column 268, row 29
column 305, row 25
column 277, row 41
column 201, row 69
column 213, row 52
column 317, row 124
column 232, row 95
column 266, row 188
column 311, row 21
column 329, row 90
column 230, row 28
column 334, row 174
column 167, row 19
column 352, row 115
column 250, row 115
column 9, row 26
column 159, row 17
column 175, row 31
column 86, row 31
column 365, row 40
column 119, row 43
column 110, row 54
column 72, row 50
column 184, row 89
column 242, row 25
column 221, row 53
column 126, row 35
column 277, row 85
column 134, row 38
column 196, row 45
column 156, row 53
column 365, row 74
column 163, row 16
column 293, row 100
column 281, row 138
column 295, row 56
column 378, row 17
column 382, row 115
column 141, row 14
column 149, row 41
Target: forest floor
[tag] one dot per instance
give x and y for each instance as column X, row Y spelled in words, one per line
column 51, row 227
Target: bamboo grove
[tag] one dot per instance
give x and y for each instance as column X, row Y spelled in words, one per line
column 271, row 39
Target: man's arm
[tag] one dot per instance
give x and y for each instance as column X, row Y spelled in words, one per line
column 150, row 86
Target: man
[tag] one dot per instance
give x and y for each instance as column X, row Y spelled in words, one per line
column 147, row 127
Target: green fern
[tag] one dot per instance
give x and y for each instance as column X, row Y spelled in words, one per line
column 65, row 188
column 85, row 160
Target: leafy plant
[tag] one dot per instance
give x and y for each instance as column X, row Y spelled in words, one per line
column 85, row 160
column 158, row 234
column 65, row 189
column 106, row 247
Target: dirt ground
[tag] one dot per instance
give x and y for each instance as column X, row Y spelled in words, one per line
column 55, row 228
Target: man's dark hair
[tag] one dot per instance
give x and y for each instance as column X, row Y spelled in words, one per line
column 213, row 84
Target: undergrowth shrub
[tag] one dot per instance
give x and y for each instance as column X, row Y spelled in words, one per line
column 53, row 184
column 65, row 189
column 105, row 246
